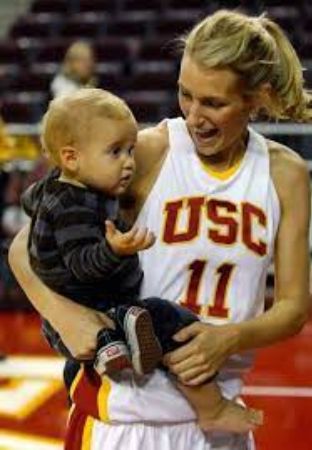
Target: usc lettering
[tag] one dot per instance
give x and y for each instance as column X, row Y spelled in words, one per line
column 227, row 222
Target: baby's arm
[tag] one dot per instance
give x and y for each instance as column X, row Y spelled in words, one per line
column 86, row 252
column 78, row 334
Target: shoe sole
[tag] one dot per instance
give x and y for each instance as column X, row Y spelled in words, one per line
column 146, row 352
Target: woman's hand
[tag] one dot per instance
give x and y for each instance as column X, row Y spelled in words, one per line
column 80, row 328
column 208, row 348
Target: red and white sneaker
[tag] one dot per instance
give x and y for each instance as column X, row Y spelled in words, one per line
column 112, row 358
column 145, row 349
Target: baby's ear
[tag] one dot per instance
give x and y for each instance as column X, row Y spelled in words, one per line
column 69, row 157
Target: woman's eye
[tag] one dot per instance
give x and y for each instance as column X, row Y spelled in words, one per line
column 213, row 104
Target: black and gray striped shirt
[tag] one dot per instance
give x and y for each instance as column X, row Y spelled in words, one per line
column 67, row 246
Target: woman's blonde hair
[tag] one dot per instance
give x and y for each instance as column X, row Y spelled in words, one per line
column 69, row 117
column 257, row 49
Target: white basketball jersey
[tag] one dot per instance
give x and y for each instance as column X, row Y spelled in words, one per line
column 215, row 240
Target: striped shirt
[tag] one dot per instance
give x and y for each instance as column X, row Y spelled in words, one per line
column 67, row 246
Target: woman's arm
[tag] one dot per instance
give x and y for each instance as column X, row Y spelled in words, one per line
column 77, row 325
column 211, row 346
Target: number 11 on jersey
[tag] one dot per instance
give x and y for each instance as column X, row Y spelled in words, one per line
column 217, row 305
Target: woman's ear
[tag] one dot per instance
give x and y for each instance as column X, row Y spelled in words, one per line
column 69, row 157
column 261, row 98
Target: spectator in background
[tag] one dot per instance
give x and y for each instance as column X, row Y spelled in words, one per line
column 77, row 70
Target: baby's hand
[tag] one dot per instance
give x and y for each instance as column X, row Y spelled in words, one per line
column 128, row 243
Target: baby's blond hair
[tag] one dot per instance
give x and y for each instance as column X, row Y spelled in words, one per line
column 257, row 49
column 68, row 118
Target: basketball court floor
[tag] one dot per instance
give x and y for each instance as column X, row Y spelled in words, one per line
column 33, row 406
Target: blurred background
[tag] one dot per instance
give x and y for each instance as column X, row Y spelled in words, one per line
column 48, row 47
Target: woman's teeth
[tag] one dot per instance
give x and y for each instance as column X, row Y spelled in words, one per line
column 207, row 134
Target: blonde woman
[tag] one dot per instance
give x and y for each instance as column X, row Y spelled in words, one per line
column 77, row 70
column 221, row 200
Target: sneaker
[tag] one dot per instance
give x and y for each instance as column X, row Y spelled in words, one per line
column 111, row 357
column 145, row 349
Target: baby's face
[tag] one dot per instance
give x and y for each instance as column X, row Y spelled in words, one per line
column 107, row 161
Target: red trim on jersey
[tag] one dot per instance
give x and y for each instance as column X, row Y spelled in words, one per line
column 74, row 430
column 86, row 393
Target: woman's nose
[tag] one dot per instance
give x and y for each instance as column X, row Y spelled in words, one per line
column 195, row 117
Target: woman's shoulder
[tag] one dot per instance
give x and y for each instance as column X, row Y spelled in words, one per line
column 285, row 159
column 288, row 168
column 151, row 147
column 154, row 138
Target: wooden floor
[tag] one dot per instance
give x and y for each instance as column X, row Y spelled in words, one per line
column 33, row 406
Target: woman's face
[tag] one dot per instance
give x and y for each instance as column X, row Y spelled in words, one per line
column 215, row 110
column 82, row 64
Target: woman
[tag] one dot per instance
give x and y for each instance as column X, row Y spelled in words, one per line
column 77, row 70
column 221, row 201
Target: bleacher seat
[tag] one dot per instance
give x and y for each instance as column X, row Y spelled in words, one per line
column 306, row 46
column 32, row 81
column 148, row 106
column 172, row 26
column 286, row 17
column 84, row 26
column 51, row 6
column 51, row 50
column 133, row 41
column 156, row 49
column 188, row 4
column 142, row 5
column 99, row 6
column 111, row 82
column 129, row 26
column 37, row 26
column 11, row 52
column 153, row 76
column 23, row 107
column 112, row 49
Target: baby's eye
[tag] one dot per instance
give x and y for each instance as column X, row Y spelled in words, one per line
column 185, row 94
column 115, row 151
